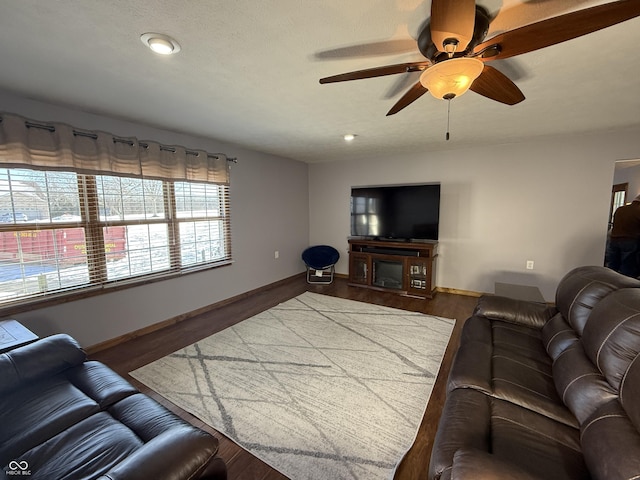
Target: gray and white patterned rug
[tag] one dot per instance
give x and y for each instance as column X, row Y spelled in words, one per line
column 318, row 387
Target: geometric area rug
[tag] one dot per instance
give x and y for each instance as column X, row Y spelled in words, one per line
column 318, row 387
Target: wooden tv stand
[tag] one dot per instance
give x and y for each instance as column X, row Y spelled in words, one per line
column 406, row 268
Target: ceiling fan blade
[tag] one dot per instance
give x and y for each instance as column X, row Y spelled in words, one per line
column 408, row 98
column 377, row 72
column 385, row 47
column 562, row 28
column 452, row 19
column 497, row 86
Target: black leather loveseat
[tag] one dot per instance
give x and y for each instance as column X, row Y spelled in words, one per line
column 540, row 392
column 62, row 417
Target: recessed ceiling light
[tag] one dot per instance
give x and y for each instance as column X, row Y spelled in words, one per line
column 159, row 43
column 349, row 137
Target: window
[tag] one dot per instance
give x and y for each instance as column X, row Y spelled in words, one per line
column 62, row 230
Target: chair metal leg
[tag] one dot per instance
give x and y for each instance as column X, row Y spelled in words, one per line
column 325, row 273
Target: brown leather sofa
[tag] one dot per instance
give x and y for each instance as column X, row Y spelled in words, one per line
column 542, row 392
column 63, row 417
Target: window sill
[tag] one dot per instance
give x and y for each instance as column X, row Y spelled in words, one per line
column 26, row 305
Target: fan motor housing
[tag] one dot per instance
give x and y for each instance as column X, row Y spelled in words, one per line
column 435, row 54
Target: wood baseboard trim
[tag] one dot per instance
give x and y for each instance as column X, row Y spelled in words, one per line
column 467, row 293
column 186, row 316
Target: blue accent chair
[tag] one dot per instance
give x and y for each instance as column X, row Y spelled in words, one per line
column 320, row 261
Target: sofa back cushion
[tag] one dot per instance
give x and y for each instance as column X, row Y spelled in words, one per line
column 611, row 337
column 581, row 386
column 44, row 358
column 583, row 288
column 558, row 335
column 630, row 393
column 589, row 374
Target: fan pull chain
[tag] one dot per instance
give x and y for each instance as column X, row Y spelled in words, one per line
column 448, row 116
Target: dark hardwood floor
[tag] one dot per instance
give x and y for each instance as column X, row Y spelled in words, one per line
column 139, row 351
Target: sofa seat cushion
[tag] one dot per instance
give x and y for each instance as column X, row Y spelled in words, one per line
column 52, row 405
column 519, row 340
column 509, row 362
column 84, row 451
column 471, row 464
column 33, row 414
column 529, row 385
column 536, row 445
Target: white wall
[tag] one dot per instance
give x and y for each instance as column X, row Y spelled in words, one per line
column 269, row 211
column 546, row 200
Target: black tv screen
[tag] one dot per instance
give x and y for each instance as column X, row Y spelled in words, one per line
column 396, row 212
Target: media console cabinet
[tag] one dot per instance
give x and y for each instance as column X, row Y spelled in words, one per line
column 407, row 268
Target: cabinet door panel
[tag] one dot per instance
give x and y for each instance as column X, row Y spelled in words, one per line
column 359, row 269
column 418, row 276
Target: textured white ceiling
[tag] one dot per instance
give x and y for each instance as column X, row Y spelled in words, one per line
column 248, row 72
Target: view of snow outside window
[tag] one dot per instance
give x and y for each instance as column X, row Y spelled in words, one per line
column 44, row 224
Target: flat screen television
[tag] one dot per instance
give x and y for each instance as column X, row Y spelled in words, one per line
column 396, row 212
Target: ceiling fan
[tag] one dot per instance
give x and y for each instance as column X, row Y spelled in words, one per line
column 455, row 49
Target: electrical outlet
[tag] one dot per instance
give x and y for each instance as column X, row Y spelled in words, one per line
column 529, row 264
column 276, row 254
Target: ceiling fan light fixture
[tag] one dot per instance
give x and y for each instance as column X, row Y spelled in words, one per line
column 160, row 43
column 349, row 137
column 451, row 78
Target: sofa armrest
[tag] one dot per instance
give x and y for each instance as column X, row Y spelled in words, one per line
column 530, row 314
column 43, row 358
column 465, row 423
column 472, row 464
column 179, row 453
column 472, row 364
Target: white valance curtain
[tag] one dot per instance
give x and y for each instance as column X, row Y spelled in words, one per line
column 28, row 143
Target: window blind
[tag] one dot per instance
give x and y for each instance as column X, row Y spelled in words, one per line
column 80, row 227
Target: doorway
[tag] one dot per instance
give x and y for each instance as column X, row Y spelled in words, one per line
column 618, row 198
column 625, row 188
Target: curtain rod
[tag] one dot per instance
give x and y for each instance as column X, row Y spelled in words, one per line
column 79, row 133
